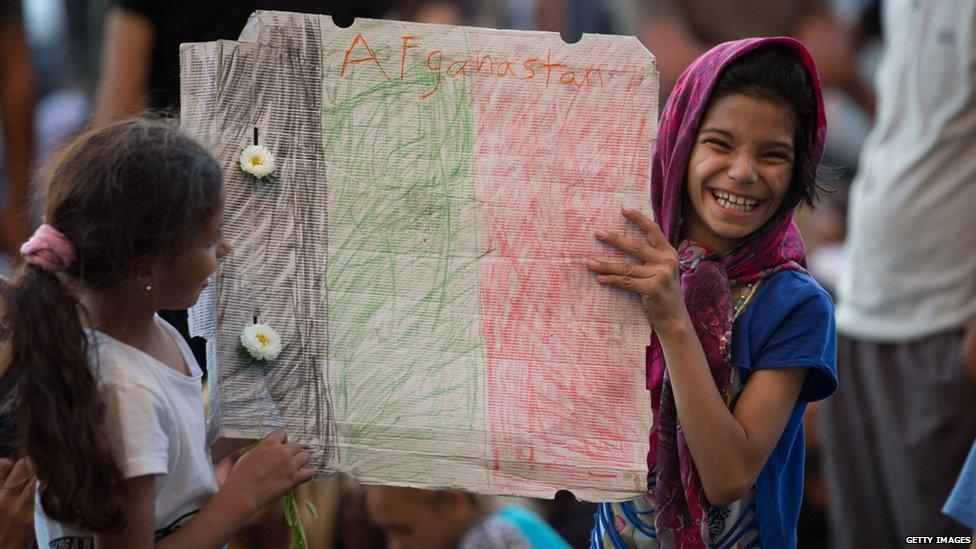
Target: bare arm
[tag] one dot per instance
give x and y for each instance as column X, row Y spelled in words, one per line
column 262, row 476
column 16, row 504
column 211, row 527
column 140, row 511
column 551, row 15
column 729, row 448
column 17, row 96
column 126, row 62
column 832, row 43
column 17, row 478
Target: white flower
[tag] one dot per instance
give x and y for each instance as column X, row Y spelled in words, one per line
column 257, row 161
column 261, row 342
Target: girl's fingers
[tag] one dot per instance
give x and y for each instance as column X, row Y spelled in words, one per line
column 292, row 448
column 5, row 466
column 617, row 268
column 631, row 246
column 620, row 281
column 304, row 475
column 29, row 487
column 301, row 458
column 652, row 232
column 280, row 436
column 21, row 472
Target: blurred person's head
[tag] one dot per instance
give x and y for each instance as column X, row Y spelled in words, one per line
column 440, row 12
column 415, row 518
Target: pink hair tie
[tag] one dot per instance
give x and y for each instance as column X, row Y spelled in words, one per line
column 49, row 249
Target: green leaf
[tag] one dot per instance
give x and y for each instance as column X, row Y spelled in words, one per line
column 293, row 518
column 309, row 505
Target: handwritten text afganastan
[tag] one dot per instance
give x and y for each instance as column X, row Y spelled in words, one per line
column 544, row 69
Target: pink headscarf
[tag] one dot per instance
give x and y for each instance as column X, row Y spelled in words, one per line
column 679, row 499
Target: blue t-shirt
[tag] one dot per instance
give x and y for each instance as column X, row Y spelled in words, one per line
column 962, row 501
column 788, row 324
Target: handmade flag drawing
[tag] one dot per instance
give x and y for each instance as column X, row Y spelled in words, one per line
column 419, row 249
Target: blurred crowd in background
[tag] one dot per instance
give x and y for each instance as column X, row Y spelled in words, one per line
column 65, row 64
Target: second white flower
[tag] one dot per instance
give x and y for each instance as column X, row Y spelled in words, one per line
column 261, row 342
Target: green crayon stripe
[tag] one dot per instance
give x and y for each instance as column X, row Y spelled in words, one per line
column 405, row 343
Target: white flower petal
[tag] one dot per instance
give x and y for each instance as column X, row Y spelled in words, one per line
column 257, row 160
column 261, row 342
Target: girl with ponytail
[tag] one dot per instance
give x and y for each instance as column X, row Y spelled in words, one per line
column 111, row 402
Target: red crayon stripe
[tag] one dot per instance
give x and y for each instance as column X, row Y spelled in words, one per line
column 548, row 166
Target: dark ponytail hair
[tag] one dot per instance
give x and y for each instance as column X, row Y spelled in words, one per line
column 776, row 73
column 134, row 188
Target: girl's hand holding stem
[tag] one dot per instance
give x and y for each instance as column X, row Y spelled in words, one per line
column 268, row 471
column 264, row 475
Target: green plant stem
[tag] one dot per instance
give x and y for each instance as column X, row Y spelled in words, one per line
column 293, row 513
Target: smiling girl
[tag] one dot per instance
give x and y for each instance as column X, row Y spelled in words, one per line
column 743, row 338
column 111, row 398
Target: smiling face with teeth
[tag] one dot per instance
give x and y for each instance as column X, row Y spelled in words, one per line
column 740, row 169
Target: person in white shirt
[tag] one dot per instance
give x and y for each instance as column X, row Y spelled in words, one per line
column 898, row 430
column 111, row 393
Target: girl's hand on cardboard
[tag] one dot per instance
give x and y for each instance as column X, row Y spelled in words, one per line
column 656, row 276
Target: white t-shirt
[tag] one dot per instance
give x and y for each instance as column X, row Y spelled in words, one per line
column 910, row 266
column 155, row 420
